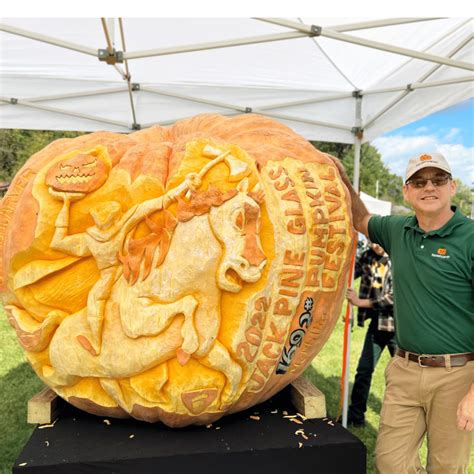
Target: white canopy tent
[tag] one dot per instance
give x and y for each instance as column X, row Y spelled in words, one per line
column 328, row 79
column 376, row 206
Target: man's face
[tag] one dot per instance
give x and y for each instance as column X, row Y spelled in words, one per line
column 429, row 200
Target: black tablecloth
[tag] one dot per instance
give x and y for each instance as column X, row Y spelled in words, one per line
column 83, row 443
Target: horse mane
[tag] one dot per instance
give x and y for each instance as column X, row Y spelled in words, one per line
column 201, row 202
column 143, row 250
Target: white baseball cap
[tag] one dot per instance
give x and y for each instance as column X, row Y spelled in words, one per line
column 426, row 160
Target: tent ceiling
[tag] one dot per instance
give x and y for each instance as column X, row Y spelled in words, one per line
column 308, row 73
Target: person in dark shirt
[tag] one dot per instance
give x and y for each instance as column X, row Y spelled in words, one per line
column 375, row 302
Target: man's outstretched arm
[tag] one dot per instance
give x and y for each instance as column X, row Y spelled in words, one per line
column 360, row 214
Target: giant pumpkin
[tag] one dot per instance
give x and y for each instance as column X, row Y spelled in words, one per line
column 175, row 274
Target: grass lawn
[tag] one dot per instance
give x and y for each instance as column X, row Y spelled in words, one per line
column 18, row 384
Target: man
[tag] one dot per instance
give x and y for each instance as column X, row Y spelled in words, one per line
column 375, row 302
column 429, row 383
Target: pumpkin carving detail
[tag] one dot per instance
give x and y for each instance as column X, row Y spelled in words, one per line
column 175, row 274
column 79, row 172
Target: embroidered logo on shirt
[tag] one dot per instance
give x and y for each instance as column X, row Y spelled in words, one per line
column 441, row 253
column 425, row 157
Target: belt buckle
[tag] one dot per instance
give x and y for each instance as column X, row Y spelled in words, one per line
column 419, row 360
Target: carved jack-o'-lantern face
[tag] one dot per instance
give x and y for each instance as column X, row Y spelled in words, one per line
column 80, row 171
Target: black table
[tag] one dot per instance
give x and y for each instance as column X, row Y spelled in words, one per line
column 83, row 443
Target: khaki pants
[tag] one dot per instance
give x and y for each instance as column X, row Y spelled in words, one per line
column 421, row 400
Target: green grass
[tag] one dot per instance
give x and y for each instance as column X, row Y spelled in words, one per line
column 18, row 384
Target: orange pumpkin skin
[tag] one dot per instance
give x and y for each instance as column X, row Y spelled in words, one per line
column 237, row 230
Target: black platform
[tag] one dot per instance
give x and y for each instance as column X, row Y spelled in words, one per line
column 82, row 443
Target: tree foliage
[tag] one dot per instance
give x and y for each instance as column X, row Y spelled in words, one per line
column 372, row 170
column 16, row 146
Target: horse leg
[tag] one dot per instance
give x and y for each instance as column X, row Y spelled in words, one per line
column 32, row 335
column 219, row 359
column 143, row 317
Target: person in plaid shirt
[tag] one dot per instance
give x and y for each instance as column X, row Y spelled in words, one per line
column 375, row 302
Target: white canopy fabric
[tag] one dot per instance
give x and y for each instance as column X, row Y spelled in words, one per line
column 327, row 79
column 376, row 206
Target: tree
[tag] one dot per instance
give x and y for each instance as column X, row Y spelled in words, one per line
column 372, row 169
column 463, row 198
column 16, row 146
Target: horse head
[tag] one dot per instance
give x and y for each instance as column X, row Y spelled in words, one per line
column 236, row 224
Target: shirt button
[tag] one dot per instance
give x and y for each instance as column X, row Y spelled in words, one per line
column 422, row 246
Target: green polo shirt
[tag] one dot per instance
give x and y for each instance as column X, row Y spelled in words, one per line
column 433, row 282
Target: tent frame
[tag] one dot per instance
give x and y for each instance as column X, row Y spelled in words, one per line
column 337, row 32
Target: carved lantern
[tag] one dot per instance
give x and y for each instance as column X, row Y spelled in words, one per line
column 175, row 274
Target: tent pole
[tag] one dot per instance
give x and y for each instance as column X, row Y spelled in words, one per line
column 423, row 78
column 421, row 85
column 293, row 118
column 346, row 27
column 48, row 39
column 347, row 343
column 358, row 134
column 215, row 45
column 316, row 30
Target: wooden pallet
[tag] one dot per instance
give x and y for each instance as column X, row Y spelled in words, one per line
column 46, row 405
column 307, row 399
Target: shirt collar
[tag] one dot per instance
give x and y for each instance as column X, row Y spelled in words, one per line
column 456, row 220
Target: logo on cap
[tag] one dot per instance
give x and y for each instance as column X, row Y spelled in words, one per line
column 441, row 251
column 425, row 157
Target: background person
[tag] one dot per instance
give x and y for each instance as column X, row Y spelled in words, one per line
column 375, row 302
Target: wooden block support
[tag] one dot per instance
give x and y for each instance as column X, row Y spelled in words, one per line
column 44, row 407
column 307, row 399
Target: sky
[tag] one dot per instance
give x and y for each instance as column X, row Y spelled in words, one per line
column 450, row 132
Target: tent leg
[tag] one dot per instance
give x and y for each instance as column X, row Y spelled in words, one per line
column 347, row 342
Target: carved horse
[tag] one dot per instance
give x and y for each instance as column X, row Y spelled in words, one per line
column 215, row 247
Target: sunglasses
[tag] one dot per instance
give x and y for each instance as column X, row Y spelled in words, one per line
column 435, row 181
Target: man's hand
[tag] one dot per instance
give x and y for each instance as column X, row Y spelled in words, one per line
column 360, row 214
column 338, row 165
column 352, row 297
column 465, row 413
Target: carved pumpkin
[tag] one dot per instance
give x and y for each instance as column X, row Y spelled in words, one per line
column 181, row 274
column 79, row 171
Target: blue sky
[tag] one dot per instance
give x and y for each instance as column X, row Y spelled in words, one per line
column 450, row 132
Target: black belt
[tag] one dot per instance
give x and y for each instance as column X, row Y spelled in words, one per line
column 437, row 360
